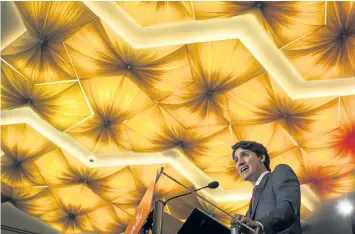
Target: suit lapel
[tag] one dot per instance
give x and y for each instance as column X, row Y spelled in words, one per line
column 258, row 193
column 249, row 210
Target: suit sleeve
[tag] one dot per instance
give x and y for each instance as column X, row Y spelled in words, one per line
column 288, row 200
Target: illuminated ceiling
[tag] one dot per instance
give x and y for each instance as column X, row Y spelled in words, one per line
column 172, row 84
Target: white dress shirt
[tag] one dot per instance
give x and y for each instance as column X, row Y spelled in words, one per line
column 261, row 177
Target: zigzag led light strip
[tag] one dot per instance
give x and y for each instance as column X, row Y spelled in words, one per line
column 244, row 27
column 172, row 157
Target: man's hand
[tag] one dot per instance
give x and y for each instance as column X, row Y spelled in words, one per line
column 251, row 223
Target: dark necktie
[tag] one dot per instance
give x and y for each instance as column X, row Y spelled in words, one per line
column 253, row 196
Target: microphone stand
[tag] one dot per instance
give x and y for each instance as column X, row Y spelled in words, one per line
column 158, row 216
column 184, row 194
column 159, row 211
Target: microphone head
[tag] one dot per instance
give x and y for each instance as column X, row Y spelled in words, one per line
column 213, row 185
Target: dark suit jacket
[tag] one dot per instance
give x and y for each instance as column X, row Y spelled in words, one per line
column 278, row 202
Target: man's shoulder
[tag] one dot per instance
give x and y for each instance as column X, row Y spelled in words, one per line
column 282, row 168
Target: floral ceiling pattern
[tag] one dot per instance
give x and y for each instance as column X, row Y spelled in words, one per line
column 84, row 80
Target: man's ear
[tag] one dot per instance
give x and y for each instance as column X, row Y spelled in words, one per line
column 262, row 158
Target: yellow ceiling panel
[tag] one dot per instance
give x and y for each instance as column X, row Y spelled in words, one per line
column 161, row 132
column 261, row 101
column 16, row 91
column 330, row 181
column 113, row 100
column 285, row 22
column 62, row 171
column 22, row 145
column 327, row 53
column 61, row 104
column 148, row 13
column 337, row 146
column 68, row 220
column 216, row 68
column 39, row 53
column 106, row 220
column 97, row 51
column 35, row 201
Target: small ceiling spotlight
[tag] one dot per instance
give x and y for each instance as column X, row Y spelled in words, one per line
column 345, row 207
column 92, row 158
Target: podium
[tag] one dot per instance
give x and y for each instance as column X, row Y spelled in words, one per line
column 201, row 223
column 144, row 220
column 197, row 222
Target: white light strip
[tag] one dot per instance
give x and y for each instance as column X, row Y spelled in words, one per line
column 30, row 117
column 55, row 82
column 244, row 27
column 172, row 157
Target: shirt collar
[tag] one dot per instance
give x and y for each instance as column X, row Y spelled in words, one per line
column 261, row 177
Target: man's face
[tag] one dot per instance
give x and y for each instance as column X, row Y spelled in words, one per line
column 248, row 165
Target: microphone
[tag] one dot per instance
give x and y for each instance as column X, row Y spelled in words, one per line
column 212, row 185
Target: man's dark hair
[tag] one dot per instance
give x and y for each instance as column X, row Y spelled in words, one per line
column 255, row 147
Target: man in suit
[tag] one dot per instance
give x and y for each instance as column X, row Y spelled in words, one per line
column 276, row 200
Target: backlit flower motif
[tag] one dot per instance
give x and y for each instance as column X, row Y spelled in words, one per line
column 217, row 67
column 97, row 51
column 113, row 100
column 70, row 181
column 328, row 181
column 261, row 101
column 285, row 22
column 20, row 153
column 160, row 131
column 327, row 53
column 34, row 200
column 15, row 89
column 68, row 220
column 39, row 53
column 61, row 104
column 337, row 146
column 150, row 13
column 110, row 218
column 346, row 143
